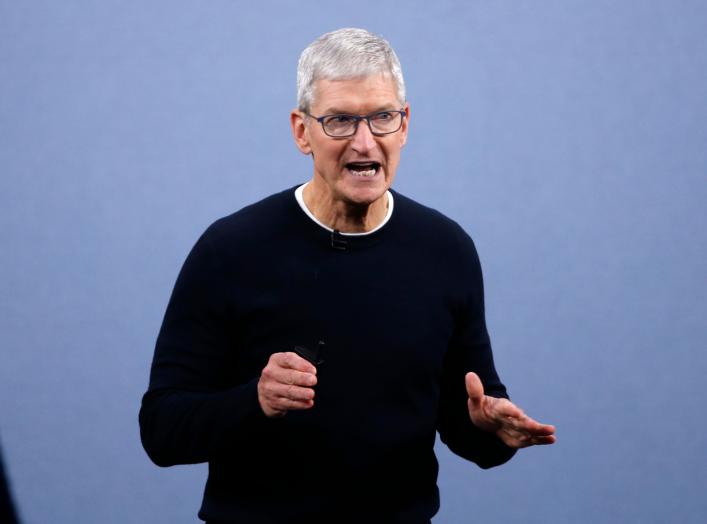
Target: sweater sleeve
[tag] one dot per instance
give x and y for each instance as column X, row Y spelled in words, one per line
column 191, row 412
column 470, row 350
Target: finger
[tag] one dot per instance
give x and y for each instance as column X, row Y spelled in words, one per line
column 474, row 388
column 513, row 438
column 273, row 392
column 519, row 440
column 544, row 441
column 527, row 441
column 286, row 404
column 532, row 427
column 292, row 377
column 522, row 435
column 291, row 392
column 541, row 430
column 277, row 399
column 292, row 360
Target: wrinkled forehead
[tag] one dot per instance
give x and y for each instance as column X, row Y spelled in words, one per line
column 356, row 94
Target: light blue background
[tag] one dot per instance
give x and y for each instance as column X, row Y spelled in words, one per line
column 568, row 137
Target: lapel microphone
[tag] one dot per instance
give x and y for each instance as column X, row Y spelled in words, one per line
column 338, row 241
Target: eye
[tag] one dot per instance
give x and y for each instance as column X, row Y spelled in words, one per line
column 339, row 119
column 383, row 116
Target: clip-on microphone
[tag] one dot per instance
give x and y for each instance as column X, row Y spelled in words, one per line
column 338, row 241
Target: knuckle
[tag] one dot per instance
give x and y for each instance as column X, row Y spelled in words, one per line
column 279, row 360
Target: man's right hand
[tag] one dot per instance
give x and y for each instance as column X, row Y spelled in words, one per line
column 286, row 383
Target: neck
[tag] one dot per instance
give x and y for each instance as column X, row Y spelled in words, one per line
column 343, row 216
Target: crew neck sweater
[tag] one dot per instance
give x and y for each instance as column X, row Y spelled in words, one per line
column 401, row 314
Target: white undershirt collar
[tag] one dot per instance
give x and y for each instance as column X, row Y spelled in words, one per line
column 299, row 195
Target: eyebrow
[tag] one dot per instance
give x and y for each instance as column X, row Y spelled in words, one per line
column 336, row 111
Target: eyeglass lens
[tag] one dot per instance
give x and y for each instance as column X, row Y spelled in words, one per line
column 381, row 123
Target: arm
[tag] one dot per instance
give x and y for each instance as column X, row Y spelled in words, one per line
column 490, row 427
column 191, row 410
column 195, row 408
column 469, row 350
column 456, row 428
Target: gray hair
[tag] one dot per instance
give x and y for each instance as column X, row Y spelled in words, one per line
column 345, row 54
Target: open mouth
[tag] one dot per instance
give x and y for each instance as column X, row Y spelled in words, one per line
column 363, row 169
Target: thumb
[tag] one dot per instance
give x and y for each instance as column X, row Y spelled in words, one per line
column 474, row 389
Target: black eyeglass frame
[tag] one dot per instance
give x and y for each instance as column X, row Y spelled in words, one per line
column 357, row 119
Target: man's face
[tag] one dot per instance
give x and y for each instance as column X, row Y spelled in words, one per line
column 356, row 170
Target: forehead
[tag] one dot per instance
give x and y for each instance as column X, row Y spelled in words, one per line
column 355, row 95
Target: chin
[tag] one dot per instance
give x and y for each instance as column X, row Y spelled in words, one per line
column 365, row 196
column 365, row 192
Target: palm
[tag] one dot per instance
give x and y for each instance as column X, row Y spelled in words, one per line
column 505, row 419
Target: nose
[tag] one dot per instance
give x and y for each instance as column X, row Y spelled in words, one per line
column 363, row 141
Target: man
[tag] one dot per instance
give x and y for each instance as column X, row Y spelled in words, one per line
column 315, row 341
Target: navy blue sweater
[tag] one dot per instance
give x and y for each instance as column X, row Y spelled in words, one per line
column 401, row 312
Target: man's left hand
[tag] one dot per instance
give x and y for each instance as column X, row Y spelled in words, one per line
column 505, row 419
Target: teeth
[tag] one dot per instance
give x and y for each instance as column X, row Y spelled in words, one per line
column 363, row 170
column 368, row 173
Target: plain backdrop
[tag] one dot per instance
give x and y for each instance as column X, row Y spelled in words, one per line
column 568, row 137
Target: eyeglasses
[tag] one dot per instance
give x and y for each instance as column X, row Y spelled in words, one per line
column 342, row 126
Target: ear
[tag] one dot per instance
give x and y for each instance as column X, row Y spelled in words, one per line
column 299, row 131
column 406, row 123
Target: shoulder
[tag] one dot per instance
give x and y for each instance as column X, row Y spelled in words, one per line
column 431, row 226
column 253, row 222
